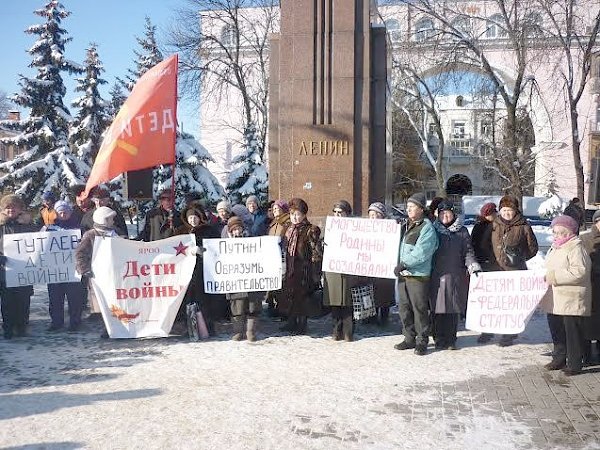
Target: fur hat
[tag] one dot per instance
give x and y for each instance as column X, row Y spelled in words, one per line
column 12, row 199
column 419, row 199
column 102, row 214
column 596, row 216
column 509, row 201
column 488, row 209
column 224, row 204
column 344, row 206
column 252, row 198
column 565, row 221
column 234, row 221
column 282, row 204
column 62, row 205
column 299, row 204
column 379, row 208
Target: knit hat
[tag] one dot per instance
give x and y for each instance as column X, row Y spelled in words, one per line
column 509, row 201
column 48, row 196
column 565, row 221
column 379, row 208
column 62, row 205
column 282, row 204
column 12, row 199
column 224, row 204
column 445, row 205
column 299, row 204
column 596, row 216
column 344, row 206
column 419, row 199
column 252, row 198
column 102, row 214
column 234, row 221
column 487, row 209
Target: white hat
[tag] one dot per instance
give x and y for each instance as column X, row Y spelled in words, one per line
column 224, row 204
column 102, row 214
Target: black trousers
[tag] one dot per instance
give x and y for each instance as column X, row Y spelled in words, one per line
column 568, row 339
column 14, row 303
column 413, row 308
column 74, row 293
column 342, row 320
column 445, row 327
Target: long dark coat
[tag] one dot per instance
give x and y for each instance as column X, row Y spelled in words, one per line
column 481, row 240
column 516, row 233
column 22, row 224
column 303, row 270
column 591, row 243
column 454, row 256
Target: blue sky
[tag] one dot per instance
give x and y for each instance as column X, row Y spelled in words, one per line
column 112, row 24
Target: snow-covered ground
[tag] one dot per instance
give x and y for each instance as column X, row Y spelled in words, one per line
column 78, row 391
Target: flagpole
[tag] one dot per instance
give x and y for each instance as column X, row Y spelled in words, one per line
column 175, row 140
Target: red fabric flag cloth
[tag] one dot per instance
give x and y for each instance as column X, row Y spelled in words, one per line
column 143, row 133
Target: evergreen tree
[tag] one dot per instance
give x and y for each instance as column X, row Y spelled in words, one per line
column 93, row 117
column 250, row 176
column 117, row 98
column 47, row 162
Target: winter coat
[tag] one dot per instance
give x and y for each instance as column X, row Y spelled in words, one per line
column 195, row 291
column 417, row 246
column 453, row 258
column 516, row 234
column 87, row 222
column 303, row 269
column 481, row 241
column 260, row 223
column 160, row 224
column 591, row 243
column 279, row 225
column 568, row 274
column 85, row 249
column 22, row 224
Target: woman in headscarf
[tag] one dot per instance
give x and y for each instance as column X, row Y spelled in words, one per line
column 303, row 261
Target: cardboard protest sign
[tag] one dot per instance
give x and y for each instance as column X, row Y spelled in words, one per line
column 365, row 247
column 46, row 257
column 503, row 302
column 242, row 264
column 140, row 285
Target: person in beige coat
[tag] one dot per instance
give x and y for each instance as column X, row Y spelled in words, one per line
column 569, row 296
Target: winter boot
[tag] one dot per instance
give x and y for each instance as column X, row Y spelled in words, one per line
column 251, row 329
column 302, row 325
column 238, row 328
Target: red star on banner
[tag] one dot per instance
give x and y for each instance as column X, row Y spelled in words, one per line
column 181, row 249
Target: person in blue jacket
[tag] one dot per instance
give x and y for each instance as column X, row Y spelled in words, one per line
column 260, row 224
column 417, row 246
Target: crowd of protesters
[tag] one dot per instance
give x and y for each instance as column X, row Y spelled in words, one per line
column 436, row 256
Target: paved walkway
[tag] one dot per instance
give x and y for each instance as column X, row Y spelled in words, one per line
column 78, row 391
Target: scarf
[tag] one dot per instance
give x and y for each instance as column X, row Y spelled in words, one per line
column 291, row 236
column 559, row 242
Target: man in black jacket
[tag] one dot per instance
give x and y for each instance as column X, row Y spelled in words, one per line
column 161, row 222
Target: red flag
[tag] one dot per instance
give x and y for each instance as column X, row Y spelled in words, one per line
column 143, row 133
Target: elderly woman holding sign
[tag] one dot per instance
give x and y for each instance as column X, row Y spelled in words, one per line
column 569, row 295
column 337, row 290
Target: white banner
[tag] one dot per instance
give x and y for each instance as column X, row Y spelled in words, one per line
column 242, row 264
column 45, row 257
column 503, row 302
column 365, row 247
column 140, row 285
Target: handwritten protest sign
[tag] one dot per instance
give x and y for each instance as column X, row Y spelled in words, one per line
column 140, row 285
column 242, row 264
column 363, row 247
column 41, row 258
column 503, row 302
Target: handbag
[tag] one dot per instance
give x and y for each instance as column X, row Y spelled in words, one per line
column 514, row 257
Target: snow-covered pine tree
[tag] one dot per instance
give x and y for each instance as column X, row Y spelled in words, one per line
column 191, row 173
column 551, row 184
column 93, row 118
column 47, row 162
column 250, row 176
column 117, row 98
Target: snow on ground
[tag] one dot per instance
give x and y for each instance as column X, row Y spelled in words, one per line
column 78, row 391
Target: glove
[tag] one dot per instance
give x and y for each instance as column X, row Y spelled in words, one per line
column 197, row 251
column 399, row 268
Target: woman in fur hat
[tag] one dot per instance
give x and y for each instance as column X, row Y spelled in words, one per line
column 513, row 243
column 303, row 266
column 195, row 222
column 15, row 301
column 569, row 299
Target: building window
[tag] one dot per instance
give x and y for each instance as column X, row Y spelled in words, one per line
column 458, row 129
column 432, row 129
column 393, row 29
column 460, row 101
column 495, row 28
column 228, row 36
column 462, row 25
column 423, row 30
